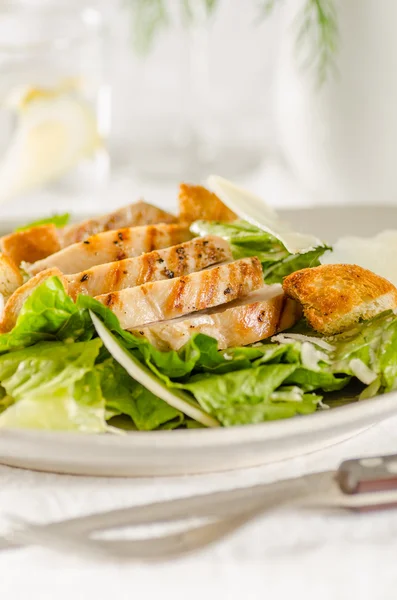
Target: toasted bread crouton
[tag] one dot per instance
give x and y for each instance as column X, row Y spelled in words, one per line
column 10, row 276
column 17, row 300
column 198, row 203
column 336, row 297
column 31, row 245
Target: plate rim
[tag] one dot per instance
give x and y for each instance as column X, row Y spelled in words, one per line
column 378, row 407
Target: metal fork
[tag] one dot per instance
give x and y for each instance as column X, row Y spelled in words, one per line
column 363, row 484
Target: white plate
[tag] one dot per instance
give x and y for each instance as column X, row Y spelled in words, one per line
column 198, row 451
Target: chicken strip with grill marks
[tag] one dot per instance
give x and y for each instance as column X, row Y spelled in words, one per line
column 113, row 246
column 242, row 322
column 163, row 300
column 168, row 263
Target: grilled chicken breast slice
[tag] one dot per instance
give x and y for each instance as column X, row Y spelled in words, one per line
column 113, row 246
column 39, row 242
column 168, row 263
column 163, row 300
column 254, row 318
column 10, row 276
column 18, row 298
column 133, row 215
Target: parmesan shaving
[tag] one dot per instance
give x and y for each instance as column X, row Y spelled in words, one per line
column 253, row 209
column 310, row 356
column 361, row 371
column 300, row 337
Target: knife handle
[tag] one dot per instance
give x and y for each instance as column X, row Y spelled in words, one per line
column 367, row 475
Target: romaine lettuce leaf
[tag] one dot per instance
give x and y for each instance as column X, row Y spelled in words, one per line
column 294, row 262
column 317, row 380
column 245, row 396
column 48, row 314
column 5, row 401
column 125, row 396
column 375, row 344
column 57, row 220
column 53, row 386
column 247, row 240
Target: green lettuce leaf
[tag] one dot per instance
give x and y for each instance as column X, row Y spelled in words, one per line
column 245, row 396
column 247, row 240
column 53, row 386
column 125, row 396
column 375, row 344
column 294, row 262
column 317, row 380
column 48, row 314
column 57, row 220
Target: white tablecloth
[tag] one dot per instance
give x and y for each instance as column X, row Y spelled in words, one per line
column 283, row 555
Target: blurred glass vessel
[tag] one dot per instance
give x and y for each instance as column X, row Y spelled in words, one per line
column 54, row 100
column 198, row 98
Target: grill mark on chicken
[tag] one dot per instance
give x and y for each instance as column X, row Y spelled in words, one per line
column 113, row 246
column 153, row 266
column 134, row 215
column 175, row 298
column 148, row 267
column 110, row 300
column 37, row 243
column 280, row 314
column 150, row 239
column 167, row 299
column 234, row 324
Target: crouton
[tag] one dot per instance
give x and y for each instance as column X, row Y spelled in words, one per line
column 10, row 276
column 31, row 245
column 336, row 297
column 196, row 202
column 17, row 300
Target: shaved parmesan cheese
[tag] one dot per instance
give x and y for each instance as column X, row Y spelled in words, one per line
column 361, row 371
column 253, row 209
column 176, row 398
column 310, row 356
column 291, row 393
column 378, row 254
column 322, row 405
column 286, row 338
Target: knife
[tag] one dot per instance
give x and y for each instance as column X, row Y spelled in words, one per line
column 360, row 484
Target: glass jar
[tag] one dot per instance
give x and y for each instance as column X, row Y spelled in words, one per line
column 54, row 99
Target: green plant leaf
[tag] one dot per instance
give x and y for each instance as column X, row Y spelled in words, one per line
column 57, row 220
